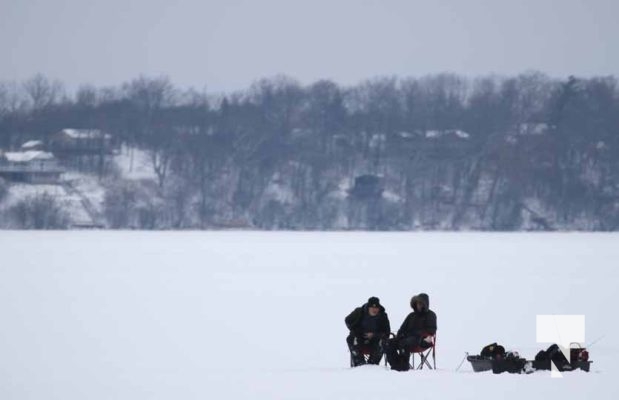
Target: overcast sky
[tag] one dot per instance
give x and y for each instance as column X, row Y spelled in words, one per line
column 226, row 44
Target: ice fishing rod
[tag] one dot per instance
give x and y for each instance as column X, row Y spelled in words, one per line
column 595, row 341
column 466, row 354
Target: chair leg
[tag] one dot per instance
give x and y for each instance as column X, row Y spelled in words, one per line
column 424, row 362
column 364, row 358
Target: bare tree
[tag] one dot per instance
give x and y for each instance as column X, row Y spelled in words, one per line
column 42, row 92
column 150, row 94
column 12, row 98
column 87, row 96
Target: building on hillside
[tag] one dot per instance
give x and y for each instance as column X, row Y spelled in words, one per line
column 81, row 142
column 435, row 144
column 33, row 145
column 32, row 166
column 86, row 150
column 533, row 129
column 367, row 187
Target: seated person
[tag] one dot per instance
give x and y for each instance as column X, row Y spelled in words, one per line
column 417, row 331
column 369, row 327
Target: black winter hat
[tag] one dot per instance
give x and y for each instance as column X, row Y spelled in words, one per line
column 373, row 302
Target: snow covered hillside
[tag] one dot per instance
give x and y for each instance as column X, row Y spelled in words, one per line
column 70, row 200
column 197, row 315
column 134, row 163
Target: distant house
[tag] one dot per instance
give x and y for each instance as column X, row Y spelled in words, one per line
column 528, row 132
column 367, row 187
column 32, row 145
column 442, row 144
column 446, row 133
column 433, row 134
column 81, row 142
column 33, row 166
column 533, row 128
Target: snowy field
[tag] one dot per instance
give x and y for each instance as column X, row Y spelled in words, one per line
column 135, row 315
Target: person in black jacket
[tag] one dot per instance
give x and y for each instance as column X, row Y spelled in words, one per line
column 369, row 328
column 416, row 331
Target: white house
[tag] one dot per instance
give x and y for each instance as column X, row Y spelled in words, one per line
column 77, row 142
column 32, row 145
column 33, row 166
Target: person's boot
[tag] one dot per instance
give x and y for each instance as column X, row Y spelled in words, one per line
column 377, row 353
column 375, row 359
column 357, row 359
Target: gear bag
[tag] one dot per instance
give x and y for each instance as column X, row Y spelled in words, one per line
column 512, row 363
column 399, row 360
column 493, row 351
column 552, row 354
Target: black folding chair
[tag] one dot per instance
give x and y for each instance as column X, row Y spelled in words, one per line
column 424, row 354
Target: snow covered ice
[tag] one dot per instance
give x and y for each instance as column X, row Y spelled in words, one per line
column 247, row 315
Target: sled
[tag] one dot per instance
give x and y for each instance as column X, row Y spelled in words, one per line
column 479, row 363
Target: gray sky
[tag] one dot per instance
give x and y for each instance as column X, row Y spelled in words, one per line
column 227, row 44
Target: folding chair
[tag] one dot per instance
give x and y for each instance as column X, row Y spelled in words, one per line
column 424, row 353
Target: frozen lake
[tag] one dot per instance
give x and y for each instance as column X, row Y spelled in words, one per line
column 247, row 315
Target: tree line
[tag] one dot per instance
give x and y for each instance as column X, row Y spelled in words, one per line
column 494, row 153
